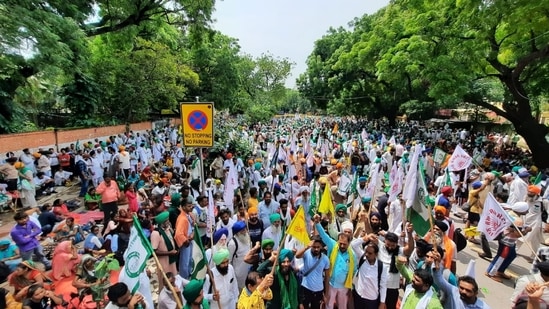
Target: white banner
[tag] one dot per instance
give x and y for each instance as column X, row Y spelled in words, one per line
column 344, row 184
column 396, row 185
column 136, row 255
column 459, row 160
column 493, row 219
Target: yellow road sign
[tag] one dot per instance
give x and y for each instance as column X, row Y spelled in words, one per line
column 197, row 120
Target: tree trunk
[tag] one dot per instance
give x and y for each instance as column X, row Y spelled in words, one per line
column 534, row 135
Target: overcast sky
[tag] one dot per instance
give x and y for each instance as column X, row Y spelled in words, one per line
column 286, row 28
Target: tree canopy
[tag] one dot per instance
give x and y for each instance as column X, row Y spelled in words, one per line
column 89, row 63
column 417, row 56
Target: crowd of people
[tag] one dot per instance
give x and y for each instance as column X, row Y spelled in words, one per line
column 365, row 250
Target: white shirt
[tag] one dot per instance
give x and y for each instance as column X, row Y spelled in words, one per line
column 226, row 286
column 367, row 275
column 393, row 280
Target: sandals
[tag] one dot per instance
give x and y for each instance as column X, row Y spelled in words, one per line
column 495, row 278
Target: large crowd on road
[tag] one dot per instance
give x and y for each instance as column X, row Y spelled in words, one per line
column 314, row 213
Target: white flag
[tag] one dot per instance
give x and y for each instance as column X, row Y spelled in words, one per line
column 493, row 219
column 231, row 183
column 344, row 183
column 410, row 184
column 396, row 185
column 392, row 141
column 136, row 255
column 210, row 221
column 459, row 160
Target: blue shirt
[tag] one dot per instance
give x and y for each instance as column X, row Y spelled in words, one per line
column 265, row 211
column 9, row 252
column 453, row 300
column 342, row 263
column 314, row 281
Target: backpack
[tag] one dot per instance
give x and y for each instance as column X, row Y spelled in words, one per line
column 379, row 270
column 235, row 248
column 459, row 239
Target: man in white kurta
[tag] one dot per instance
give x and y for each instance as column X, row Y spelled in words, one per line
column 518, row 188
column 225, row 283
column 238, row 247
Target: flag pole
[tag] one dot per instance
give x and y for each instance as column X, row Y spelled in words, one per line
column 280, row 247
column 208, row 270
column 167, row 281
column 159, row 266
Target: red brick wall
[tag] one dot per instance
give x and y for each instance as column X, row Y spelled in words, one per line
column 34, row 140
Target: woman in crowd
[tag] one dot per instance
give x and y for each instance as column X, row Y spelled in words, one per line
column 28, row 190
column 25, row 275
column 64, row 261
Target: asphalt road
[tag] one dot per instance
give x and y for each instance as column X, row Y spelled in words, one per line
column 496, row 294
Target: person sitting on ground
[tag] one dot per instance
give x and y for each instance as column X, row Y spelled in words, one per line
column 92, row 200
column 85, row 275
column 61, row 177
column 40, row 298
column 44, row 184
column 9, row 254
column 70, row 231
column 64, row 261
column 48, row 220
column 25, row 274
column 94, row 241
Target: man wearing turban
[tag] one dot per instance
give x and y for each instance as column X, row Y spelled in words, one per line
column 225, row 282
column 194, row 295
column 163, row 243
column 255, row 226
column 341, row 217
column 274, row 231
column 238, row 247
column 441, row 239
column 285, row 283
column 343, row 266
column 261, row 252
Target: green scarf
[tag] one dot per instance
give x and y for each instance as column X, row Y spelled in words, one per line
column 195, row 162
column 205, row 305
column 169, row 245
column 288, row 296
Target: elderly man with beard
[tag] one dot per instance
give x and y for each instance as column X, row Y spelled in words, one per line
column 388, row 252
column 285, row 285
column 238, row 247
column 163, row 243
column 420, row 292
column 533, row 219
column 225, row 283
column 336, row 226
column 441, row 239
column 219, row 242
column 274, row 231
column 343, row 266
column 315, row 268
column 465, row 295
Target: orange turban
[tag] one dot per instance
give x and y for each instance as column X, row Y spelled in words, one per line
column 252, row 210
column 441, row 209
column 19, row 165
column 36, row 155
column 534, row 189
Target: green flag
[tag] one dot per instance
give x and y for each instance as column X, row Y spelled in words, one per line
column 418, row 213
column 314, row 200
column 538, row 179
column 199, row 257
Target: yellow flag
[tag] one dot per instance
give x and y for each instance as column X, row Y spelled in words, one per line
column 336, row 129
column 298, row 228
column 326, row 205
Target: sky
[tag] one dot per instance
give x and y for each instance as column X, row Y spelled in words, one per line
column 287, row 28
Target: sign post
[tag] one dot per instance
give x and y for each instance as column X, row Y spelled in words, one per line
column 197, row 123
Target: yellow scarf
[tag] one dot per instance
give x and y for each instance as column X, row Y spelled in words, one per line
column 333, row 256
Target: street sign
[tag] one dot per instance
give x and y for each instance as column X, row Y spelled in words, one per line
column 197, row 120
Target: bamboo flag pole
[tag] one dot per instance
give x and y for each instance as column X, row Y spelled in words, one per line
column 167, row 281
column 208, row 270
